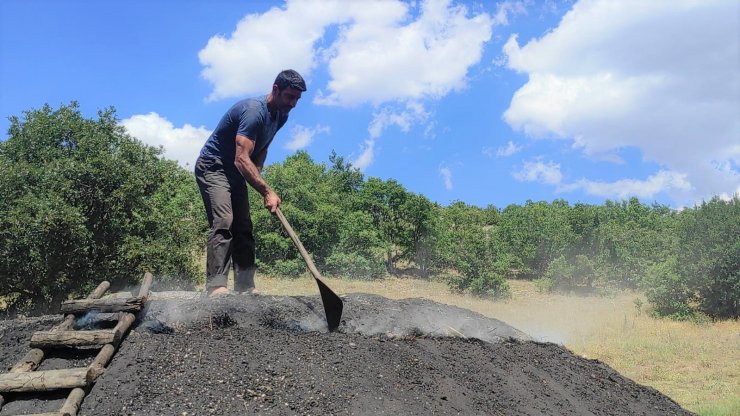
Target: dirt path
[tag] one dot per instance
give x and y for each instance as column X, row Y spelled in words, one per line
column 271, row 355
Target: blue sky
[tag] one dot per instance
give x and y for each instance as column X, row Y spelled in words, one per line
column 484, row 102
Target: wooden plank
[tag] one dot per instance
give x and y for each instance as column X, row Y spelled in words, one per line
column 133, row 304
column 44, row 380
column 49, row 339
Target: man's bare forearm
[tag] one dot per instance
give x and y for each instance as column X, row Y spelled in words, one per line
column 252, row 175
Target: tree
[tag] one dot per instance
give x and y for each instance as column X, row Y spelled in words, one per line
column 81, row 201
column 632, row 238
column 706, row 267
column 536, row 234
column 471, row 252
column 384, row 200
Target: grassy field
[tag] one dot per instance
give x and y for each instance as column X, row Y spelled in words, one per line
column 697, row 365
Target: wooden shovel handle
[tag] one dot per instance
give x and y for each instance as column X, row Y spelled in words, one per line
column 311, row 267
column 333, row 305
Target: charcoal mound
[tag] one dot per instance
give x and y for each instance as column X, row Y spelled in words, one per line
column 238, row 355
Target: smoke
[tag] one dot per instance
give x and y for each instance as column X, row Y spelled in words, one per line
column 364, row 314
column 375, row 315
column 86, row 321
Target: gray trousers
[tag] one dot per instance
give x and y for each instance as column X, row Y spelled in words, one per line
column 231, row 239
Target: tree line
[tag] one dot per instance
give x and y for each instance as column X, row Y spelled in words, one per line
column 82, row 201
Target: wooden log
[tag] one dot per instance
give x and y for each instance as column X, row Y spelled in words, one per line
column 146, row 285
column 123, row 325
column 97, row 367
column 72, row 404
column 33, row 358
column 96, row 294
column 44, row 380
column 49, row 339
column 29, row 362
column 100, row 290
column 103, row 305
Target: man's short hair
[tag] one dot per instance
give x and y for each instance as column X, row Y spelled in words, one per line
column 290, row 78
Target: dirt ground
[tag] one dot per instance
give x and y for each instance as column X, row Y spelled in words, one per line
column 240, row 355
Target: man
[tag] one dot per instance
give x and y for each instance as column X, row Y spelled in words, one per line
column 233, row 156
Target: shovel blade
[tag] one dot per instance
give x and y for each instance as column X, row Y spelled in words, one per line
column 333, row 305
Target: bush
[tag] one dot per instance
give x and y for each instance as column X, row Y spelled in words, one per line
column 81, row 202
column 490, row 284
column 545, row 285
column 560, row 273
column 703, row 275
column 668, row 292
column 355, row 266
column 288, row 268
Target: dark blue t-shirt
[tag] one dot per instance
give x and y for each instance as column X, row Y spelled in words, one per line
column 250, row 118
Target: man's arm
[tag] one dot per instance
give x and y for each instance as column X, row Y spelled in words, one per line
column 250, row 171
column 260, row 160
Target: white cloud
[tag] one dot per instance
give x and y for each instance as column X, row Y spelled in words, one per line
column 302, row 136
column 261, row 45
column 446, row 175
column 181, row 144
column 506, row 8
column 403, row 119
column 510, row 149
column 656, row 75
column 386, row 117
column 538, row 171
column 393, row 59
column 624, row 188
column 366, row 157
column 378, row 56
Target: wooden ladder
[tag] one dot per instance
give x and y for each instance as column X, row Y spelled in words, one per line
column 23, row 378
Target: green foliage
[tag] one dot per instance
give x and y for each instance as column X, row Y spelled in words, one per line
column 474, row 250
column 570, row 274
column 561, row 273
column 536, row 233
column 709, row 253
column 669, row 294
column 704, row 275
column 632, row 237
column 545, row 285
column 288, row 268
column 81, row 201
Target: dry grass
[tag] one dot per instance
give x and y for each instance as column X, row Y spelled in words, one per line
column 696, row 365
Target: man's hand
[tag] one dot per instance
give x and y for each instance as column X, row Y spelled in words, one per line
column 272, row 201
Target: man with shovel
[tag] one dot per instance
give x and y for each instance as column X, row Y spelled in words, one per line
column 233, row 156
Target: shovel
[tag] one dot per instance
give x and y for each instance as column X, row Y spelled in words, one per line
column 332, row 303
